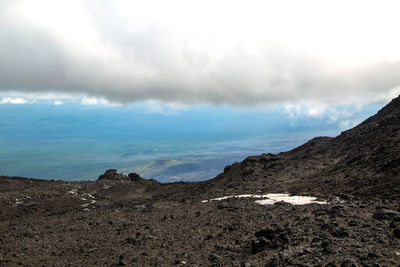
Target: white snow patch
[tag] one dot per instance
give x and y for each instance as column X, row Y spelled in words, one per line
column 294, row 200
column 88, row 195
column 227, row 197
column 269, row 199
column 242, row 196
column 266, row 201
column 92, row 200
column 73, row 192
column 338, row 200
column 90, row 203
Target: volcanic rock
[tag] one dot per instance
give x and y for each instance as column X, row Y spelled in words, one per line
column 137, row 179
column 396, row 232
column 385, row 214
column 113, row 174
column 122, row 260
column 272, row 237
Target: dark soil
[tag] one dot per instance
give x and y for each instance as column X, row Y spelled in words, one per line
column 127, row 220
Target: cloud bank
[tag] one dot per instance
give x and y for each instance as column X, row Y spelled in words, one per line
column 235, row 52
column 9, row 100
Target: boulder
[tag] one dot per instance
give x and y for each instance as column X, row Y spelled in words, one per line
column 270, row 238
column 385, row 214
column 134, row 177
column 113, row 174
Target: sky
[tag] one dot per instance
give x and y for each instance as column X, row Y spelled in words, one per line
column 240, row 53
column 179, row 89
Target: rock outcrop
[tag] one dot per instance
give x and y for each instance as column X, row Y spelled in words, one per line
column 112, row 174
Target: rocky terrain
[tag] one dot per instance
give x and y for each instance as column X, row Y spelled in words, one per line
column 363, row 161
column 127, row 220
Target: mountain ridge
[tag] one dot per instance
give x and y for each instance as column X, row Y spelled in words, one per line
column 364, row 161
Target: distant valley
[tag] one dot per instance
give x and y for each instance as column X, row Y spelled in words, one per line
column 77, row 142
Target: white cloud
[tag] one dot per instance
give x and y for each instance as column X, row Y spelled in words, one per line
column 163, row 108
column 347, row 124
column 58, row 103
column 340, row 113
column 309, row 108
column 245, row 52
column 91, row 101
column 37, row 96
column 9, row 100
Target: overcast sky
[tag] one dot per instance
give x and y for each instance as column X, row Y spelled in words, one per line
column 195, row 52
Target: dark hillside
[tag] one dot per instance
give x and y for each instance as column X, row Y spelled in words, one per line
column 363, row 161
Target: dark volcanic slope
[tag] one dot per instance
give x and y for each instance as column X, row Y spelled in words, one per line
column 363, row 161
column 129, row 221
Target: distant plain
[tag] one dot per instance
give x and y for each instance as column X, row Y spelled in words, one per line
column 78, row 142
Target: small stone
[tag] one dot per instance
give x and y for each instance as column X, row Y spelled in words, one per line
column 340, row 232
column 214, row 257
column 122, row 260
column 259, row 245
column 349, row 263
column 385, row 214
column 353, row 223
column 396, row 232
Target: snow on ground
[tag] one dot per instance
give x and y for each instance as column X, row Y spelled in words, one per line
column 73, row 192
column 92, row 200
column 90, row 203
column 294, row 200
column 269, row 199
